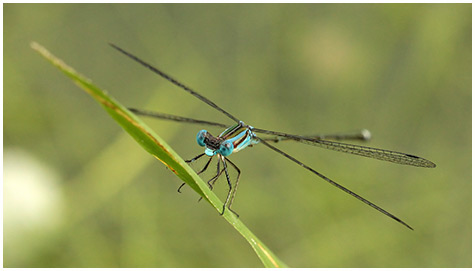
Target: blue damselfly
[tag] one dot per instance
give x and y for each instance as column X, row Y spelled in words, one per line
column 240, row 135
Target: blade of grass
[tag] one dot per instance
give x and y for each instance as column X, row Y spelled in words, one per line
column 153, row 144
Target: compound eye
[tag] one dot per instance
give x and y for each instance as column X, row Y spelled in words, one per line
column 200, row 138
column 226, row 148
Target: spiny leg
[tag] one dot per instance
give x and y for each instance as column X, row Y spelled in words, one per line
column 213, row 180
column 230, row 188
column 206, row 166
column 235, row 186
column 195, row 158
column 203, row 170
column 192, row 160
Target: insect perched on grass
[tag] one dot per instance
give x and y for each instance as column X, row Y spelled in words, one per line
column 240, row 135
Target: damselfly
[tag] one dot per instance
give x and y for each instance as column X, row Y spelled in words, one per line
column 239, row 136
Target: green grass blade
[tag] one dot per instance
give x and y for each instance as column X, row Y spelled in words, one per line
column 153, row 144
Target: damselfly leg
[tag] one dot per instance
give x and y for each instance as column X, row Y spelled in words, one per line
column 231, row 188
column 201, row 171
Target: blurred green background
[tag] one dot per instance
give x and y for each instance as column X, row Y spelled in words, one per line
column 79, row 192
